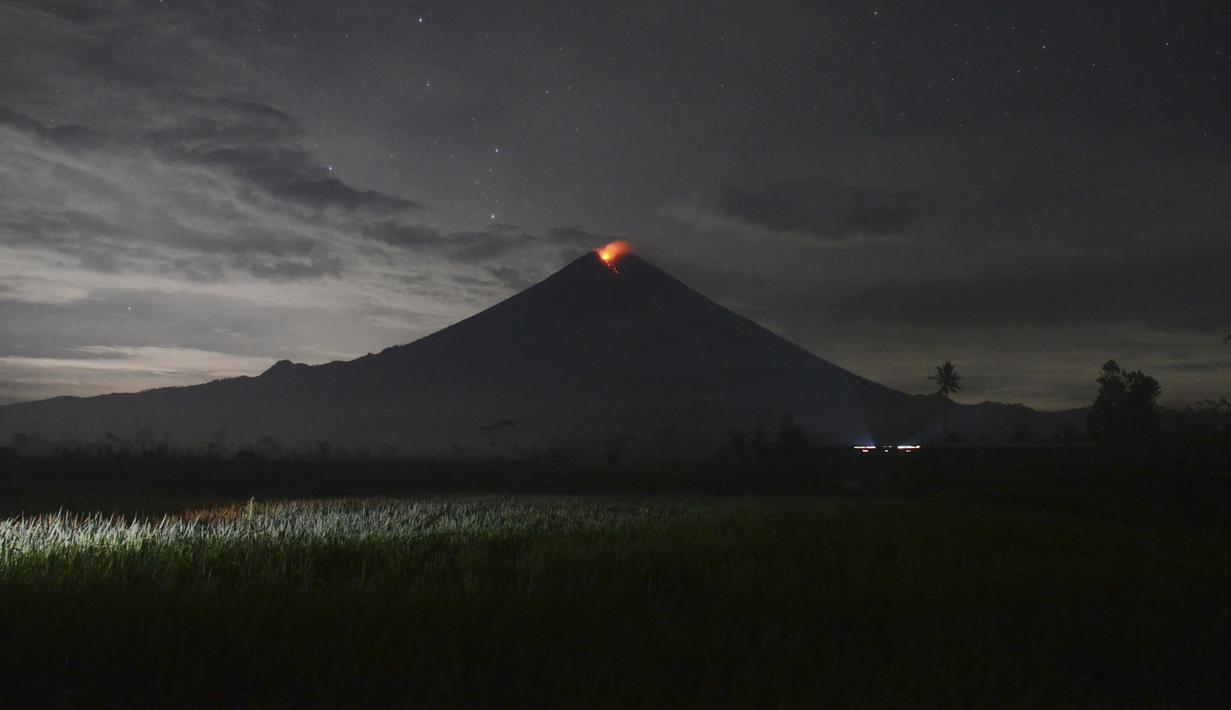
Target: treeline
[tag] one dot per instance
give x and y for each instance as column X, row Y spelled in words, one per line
column 156, row 481
column 1126, row 418
column 1125, row 421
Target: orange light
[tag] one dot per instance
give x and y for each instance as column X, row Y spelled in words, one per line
column 613, row 251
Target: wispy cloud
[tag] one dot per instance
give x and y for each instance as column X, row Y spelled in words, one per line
column 101, row 369
column 146, row 167
column 816, row 207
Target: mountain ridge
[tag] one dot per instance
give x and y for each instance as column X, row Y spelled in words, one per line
column 589, row 354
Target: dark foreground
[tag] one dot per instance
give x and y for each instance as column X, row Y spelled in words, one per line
column 1036, row 589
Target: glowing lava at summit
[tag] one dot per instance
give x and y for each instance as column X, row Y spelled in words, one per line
column 612, row 252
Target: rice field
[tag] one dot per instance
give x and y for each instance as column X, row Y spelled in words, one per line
column 591, row 601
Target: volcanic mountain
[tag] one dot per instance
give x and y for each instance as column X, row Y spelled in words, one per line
column 606, row 348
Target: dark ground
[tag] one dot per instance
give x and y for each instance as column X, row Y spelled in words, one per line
column 1032, row 577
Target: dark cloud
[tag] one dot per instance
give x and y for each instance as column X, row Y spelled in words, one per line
column 512, row 278
column 250, row 240
column 574, row 237
column 55, row 228
column 816, row 206
column 199, row 270
column 79, row 11
column 473, row 247
column 1200, row 367
column 88, row 238
column 477, row 247
column 404, row 236
column 98, row 260
column 71, row 137
column 22, row 123
column 250, row 110
column 571, row 242
column 1183, row 291
column 291, row 269
column 252, row 153
column 326, row 192
column 258, row 144
column 252, row 141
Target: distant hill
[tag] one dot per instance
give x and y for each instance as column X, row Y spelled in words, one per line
column 595, row 353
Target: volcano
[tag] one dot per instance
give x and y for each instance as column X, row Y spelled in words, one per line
column 608, row 348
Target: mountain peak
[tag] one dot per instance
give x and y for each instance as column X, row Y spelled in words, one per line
column 620, row 273
column 283, row 367
column 608, row 347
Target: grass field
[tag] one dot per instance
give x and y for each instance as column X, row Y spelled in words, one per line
column 615, row 602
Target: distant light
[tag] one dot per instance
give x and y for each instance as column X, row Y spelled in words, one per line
column 867, row 448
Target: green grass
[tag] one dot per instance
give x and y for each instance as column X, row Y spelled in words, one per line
column 616, row 602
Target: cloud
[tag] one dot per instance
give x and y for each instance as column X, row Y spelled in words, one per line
column 815, row 206
column 404, row 236
column 100, row 369
column 574, row 237
column 259, row 144
column 474, row 246
column 220, row 177
column 133, row 156
column 328, row 192
column 1123, row 289
column 509, row 277
column 70, row 136
column 293, row 269
column 168, row 168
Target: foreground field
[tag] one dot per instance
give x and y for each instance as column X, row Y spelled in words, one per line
column 600, row 601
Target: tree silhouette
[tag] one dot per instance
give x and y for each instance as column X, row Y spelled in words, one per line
column 761, row 447
column 947, row 381
column 792, row 441
column 1125, row 411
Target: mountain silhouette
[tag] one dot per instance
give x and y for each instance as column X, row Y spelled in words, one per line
column 596, row 352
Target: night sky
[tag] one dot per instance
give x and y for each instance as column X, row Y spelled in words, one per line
column 194, row 189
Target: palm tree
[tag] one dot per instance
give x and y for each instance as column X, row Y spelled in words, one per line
column 948, row 382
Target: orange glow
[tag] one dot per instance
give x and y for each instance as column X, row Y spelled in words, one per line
column 612, row 252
